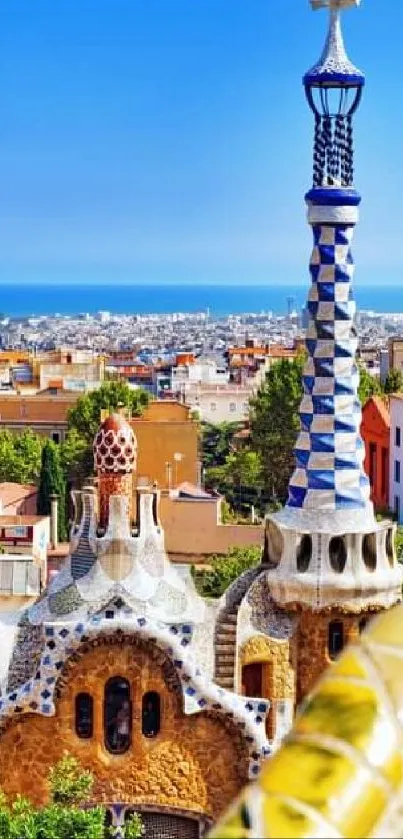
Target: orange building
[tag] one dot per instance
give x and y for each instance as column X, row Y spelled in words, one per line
column 375, row 431
column 44, row 414
column 167, row 439
column 18, row 499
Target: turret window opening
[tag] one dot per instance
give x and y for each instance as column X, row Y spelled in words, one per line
column 369, row 551
column 304, row 553
column 338, row 554
column 362, row 624
column 335, row 638
column 151, row 714
column 84, row 716
column 117, row 715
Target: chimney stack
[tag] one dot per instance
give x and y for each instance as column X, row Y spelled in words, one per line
column 54, row 515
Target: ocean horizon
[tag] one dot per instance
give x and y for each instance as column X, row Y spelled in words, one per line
column 25, row 300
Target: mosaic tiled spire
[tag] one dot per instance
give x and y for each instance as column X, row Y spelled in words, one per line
column 329, row 473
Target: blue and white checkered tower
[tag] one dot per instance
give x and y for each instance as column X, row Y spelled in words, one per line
column 325, row 547
column 329, row 472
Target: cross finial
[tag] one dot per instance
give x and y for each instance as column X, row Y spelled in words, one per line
column 334, row 5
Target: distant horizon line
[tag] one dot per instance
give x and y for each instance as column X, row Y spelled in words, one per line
column 185, row 283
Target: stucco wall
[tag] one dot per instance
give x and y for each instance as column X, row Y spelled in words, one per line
column 195, row 763
column 193, row 531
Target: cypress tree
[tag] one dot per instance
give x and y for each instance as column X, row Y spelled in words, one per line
column 52, row 482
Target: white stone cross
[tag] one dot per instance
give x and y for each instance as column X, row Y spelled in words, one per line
column 334, row 5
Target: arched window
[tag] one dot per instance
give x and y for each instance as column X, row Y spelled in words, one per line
column 335, row 639
column 363, row 624
column 117, row 715
column 84, row 716
column 304, row 553
column 338, row 554
column 369, row 551
column 151, row 714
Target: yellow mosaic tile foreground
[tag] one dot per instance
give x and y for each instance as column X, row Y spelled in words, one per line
column 340, row 772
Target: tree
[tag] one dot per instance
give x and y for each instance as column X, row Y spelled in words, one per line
column 83, row 423
column 369, row 385
column 76, row 458
column 393, row 381
column 274, row 424
column 239, row 479
column 85, row 416
column 216, row 442
column 67, row 816
column 20, row 457
column 52, row 482
column 224, row 569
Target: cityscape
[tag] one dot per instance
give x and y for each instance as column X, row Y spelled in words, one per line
column 201, row 508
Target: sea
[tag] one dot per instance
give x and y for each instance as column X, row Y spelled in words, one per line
column 219, row 300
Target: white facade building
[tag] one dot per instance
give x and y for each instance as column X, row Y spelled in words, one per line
column 218, row 403
column 396, row 456
column 202, row 371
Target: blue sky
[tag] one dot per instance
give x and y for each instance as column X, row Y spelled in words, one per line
column 169, row 140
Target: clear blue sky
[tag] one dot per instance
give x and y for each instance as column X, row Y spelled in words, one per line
column 169, row 140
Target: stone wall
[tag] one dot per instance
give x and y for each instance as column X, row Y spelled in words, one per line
column 312, row 644
column 197, row 763
column 276, row 656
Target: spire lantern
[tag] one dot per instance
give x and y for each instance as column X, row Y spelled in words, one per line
column 333, row 88
column 335, row 555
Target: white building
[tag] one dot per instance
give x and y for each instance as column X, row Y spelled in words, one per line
column 396, row 456
column 202, row 371
column 218, row 403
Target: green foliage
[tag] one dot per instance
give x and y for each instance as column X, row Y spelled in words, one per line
column 216, row 442
column 134, row 827
column 239, row 479
column 85, row 416
column 76, row 458
column 274, row 425
column 69, row 783
column 52, row 482
column 20, row 457
column 64, row 817
column 399, row 544
column 83, row 422
column 212, row 582
column 393, row 381
column 369, row 385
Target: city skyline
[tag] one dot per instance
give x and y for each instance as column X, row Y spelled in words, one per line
column 149, row 147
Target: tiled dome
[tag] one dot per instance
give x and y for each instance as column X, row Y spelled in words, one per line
column 115, row 446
